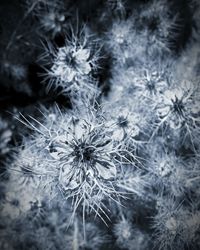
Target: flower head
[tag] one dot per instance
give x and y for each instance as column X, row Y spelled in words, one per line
column 120, row 38
column 160, row 26
column 169, row 223
column 84, row 153
column 71, row 66
column 52, row 20
column 82, row 159
column 122, row 121
column 179, row 106
column 169, row 172
column 70, row 63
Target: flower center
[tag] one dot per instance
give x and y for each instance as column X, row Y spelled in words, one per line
column 122, row 122
column 151, row 86
column 84, row 152
column 71, row 61
column 178, row 106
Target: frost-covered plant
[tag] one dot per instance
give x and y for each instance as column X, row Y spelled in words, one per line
column 71, row 66
column 120, row 37
column 122, row 120
column 81, row 158
column 192, row 228
column 138, row 142
column 160, row 26
column 170, row 172
column 179, row 107
column 169, row 223
column 53, row 19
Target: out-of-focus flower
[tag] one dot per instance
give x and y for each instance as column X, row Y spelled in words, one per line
column 168, row 224
column 15, row 71
column 122, row 121
column 22, row 170
column 53, row 19
column 120, row 38
column 145, row 84
column 160, row 25
column 169, row 172
column 150, row 84
column 192, row 227
column 179, row 106
column 129, row 237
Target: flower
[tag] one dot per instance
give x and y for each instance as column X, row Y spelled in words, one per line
column 120, row 38
column 71, row 66
column 179, row 106
column 122, row 121
column 53, row 21
column 169, row 223
column 84, row 153
column 160, row 26
column 151, row 83
column 128, row 236
column 169, row 172
column 81, row 159
column 71, row 63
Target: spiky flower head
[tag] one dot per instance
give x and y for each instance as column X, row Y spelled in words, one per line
column 122, row 120
column 150, row 82
column 119, row 39
column 161, row 26
column 168, row 224
column 169, row 172
column 53, row 19
column 179, row 106
column 82, row 159
column 71, row 67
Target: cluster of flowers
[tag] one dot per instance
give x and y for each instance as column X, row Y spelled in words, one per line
column 120, row 169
